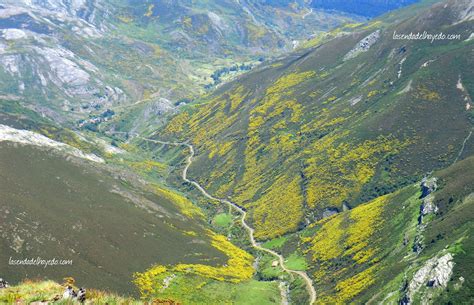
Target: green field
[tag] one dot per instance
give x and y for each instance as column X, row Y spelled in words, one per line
column 296, row 262
column 275, row 243
column 222, row 220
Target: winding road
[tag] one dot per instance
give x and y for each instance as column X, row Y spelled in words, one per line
column 243, row 213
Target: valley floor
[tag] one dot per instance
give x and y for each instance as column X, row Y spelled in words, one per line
column 309, row 283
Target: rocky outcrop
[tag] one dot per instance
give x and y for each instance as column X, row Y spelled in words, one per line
column 428, row 186
column 363, row 45
column 37, row 64
column 329, row 212
column 85, row 9
column 436, row 272
column 26, row 137
column 3, row 283
column 432, row 277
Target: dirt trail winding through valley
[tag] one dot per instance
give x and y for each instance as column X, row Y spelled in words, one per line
column 243, row 213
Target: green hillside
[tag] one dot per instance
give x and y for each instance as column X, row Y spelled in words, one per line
column 237, row 152
column 326, row 149
column 102, row 216
column 380, row 252
column 328, row 127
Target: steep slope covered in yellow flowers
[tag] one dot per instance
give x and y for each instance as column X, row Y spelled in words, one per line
column 320, row 130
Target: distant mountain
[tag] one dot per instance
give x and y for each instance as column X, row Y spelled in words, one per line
column 347, row 148
column 76, row 59
column 74, row 65
column 367, row 8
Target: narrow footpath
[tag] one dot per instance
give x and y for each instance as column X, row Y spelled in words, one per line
column 243, row 213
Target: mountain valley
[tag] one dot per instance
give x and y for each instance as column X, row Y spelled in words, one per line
column 238, row 152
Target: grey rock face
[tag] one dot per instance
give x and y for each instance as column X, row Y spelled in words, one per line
column 72, row 8
column 363, row 45
column 428, row 207
column 329, row 212
column 66, row 71
column 38, row 64
column 428, row 185
column 435, row 273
